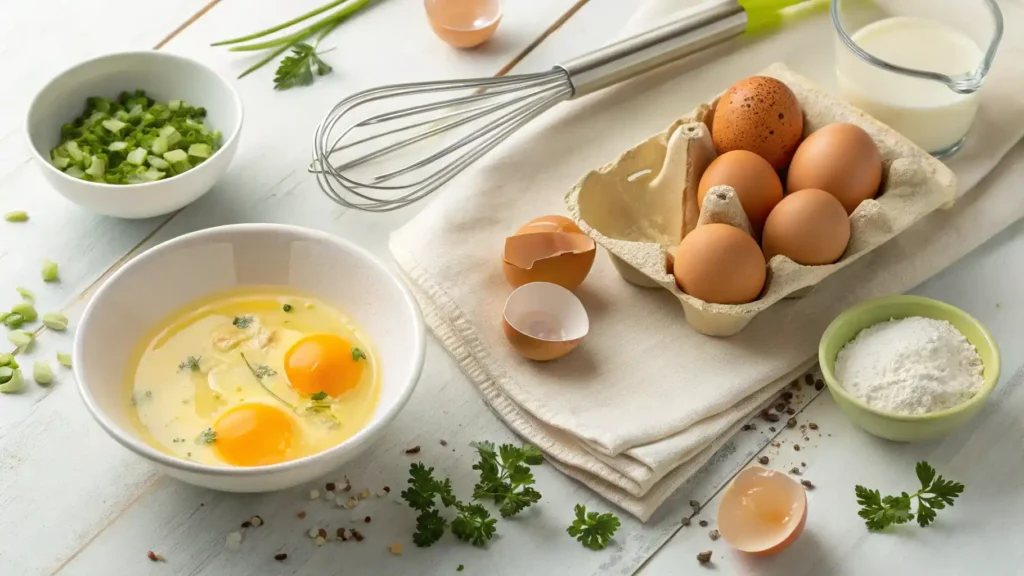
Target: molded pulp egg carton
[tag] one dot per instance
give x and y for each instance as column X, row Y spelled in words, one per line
column 640, row 206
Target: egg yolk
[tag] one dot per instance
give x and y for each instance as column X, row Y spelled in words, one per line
column 323, row 363
column 253, row 434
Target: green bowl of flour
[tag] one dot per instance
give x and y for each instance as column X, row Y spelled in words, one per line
column 892, row 425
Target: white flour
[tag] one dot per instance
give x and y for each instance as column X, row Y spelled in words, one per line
column 910, row 366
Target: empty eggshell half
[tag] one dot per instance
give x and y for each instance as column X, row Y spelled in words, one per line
column 762, row 511
column 562, row 258
column 544, row 321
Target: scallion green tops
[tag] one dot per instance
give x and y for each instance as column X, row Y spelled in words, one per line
column 134, row 140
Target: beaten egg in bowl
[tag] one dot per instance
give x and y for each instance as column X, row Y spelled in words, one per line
column 252, row 377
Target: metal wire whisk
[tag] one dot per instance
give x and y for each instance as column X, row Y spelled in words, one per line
column 476, row 115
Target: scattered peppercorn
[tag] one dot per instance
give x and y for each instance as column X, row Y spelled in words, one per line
column 809, row 379
column 357, row 535
column 771, row 428
column 819, row 384
column 794, row 471
column 686, row 520
column 703, row 523
column 287, row 307
column 790, row 410
column 695, row 505
column 713, row 535
column 804, row 464
column 780, row 407
column 282, row 556
column 787, row 395
column 776, row 444
column 256, row 521
column 246, row 524
column 807, row 484
column 367, row 519
column 321, row 533
column 791, row 423
column 445, row 443
column 704, row 557
column 812, row 426
column 330, row 486
column 387, row 489
column 770, row 416
column 763, row 460
column 154, row 557
column 301, row 514
column 746, row 427
column 413, row 450
column 796, row 447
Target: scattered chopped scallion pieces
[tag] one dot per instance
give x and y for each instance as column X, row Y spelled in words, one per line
column 64, row 359
column 55, row 321
column 16, row 216
column 11, row 380
column 208, row 436
column 27, row 311
column 12, row 320
column 6, row 359
column 110, row 141
column 49, row 271
column 26, row 294
column 20, row 338
column 358, row 355
column 42, row 373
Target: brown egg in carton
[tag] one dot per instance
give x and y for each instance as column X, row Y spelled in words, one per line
column 641, row 206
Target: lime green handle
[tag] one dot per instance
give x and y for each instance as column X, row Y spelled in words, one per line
column 767, row 15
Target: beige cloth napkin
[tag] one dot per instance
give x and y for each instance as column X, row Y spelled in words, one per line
column 646, row 401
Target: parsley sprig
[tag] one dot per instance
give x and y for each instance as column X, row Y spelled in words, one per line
column 505, row 478
column 190, row 364
column 935, row 494
column 593, row 529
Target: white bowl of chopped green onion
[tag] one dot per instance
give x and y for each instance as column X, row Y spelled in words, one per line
column 135, row 134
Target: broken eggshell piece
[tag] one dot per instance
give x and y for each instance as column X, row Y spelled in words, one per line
column 548, row 249
column 762, row 511
column 544, row 321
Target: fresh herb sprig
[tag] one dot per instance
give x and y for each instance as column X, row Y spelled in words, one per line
column 261, row 371
column 298, row 68
column 190, row 364
column 935, row 494
column 358, row 355
column 208, row 436
column 242, row 322
column 505, row 478
column 593, row 529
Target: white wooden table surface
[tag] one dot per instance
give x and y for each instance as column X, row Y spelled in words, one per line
column 72, row 502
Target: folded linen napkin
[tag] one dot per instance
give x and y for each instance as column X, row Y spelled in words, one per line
column 646, row 401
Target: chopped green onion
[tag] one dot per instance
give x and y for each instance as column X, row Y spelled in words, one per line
column 13, row 320
column 27, row 311
column 6, row 359
column 4, row 316
column 55, row 321
column 20, row 338
column 11, row 380
column 111, row 139
column 16, row 216
column 175, row 156
column 49, row 271
column 26, row 294
column 64, row 358
column 42, row 373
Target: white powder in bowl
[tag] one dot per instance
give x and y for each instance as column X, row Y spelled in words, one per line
column 910, row 366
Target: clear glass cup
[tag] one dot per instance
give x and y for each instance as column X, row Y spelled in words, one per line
column 917, row 65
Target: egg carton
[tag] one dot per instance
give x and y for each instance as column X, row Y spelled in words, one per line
column 640, row 206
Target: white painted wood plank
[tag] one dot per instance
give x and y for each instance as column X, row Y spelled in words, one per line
column 985, row 455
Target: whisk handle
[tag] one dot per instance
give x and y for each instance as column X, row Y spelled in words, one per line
column 701, row 27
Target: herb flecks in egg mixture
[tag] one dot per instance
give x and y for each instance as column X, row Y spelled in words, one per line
column 265, row 381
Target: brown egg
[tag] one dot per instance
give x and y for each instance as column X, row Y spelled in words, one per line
column 548, row 249
column 755, row 181
column 720, row 264
column 762, row 115
column 553, row 223
column 841, row 159
column 809, row 226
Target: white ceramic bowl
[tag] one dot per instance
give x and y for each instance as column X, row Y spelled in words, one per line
column 180, row 271
column 164, row 77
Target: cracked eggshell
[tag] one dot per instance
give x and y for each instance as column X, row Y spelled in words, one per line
column 557, row 257
column 544, row 321
column 762, row 511
column 629, row 206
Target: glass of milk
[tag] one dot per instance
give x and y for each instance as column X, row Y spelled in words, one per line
column 917, row 65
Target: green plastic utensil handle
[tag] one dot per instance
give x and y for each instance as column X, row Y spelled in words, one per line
column 766, row 15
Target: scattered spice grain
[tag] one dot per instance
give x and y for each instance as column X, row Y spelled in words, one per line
column 796, row 447
column 357, row 535
column 791, row 423
column 330, row 486
column 154, row 557
column 703, row 523
column 387, row 489
column 342, row 534
column 280, row 557
column 746, row 427
column 713, row 535
column 686, row 520
column 396, row 548
column 809, row 379
column 807, row 484
column 695, row 506
column 812, row 426
column 771, row 428
column 787, row 396
column 794, row 471
column 790, row 410
column 301, row 514
column 819, row 384
column 445, row 443
column 704, row 557
column 413, row 450
column 763, row 460
column 780, row 407
column 322, row 533
column 770, row 416
column 804, row 464
column 367, row 519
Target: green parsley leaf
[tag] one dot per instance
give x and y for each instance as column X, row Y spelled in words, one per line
column 505, row 476
column 191, row 364
column 474, row 524
column 935, row 494
column 321, row 395
column 430, row 527
column 297, row 69
column 242, row 321
column 358, row 355
column 592, row 529
column 208, row 436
